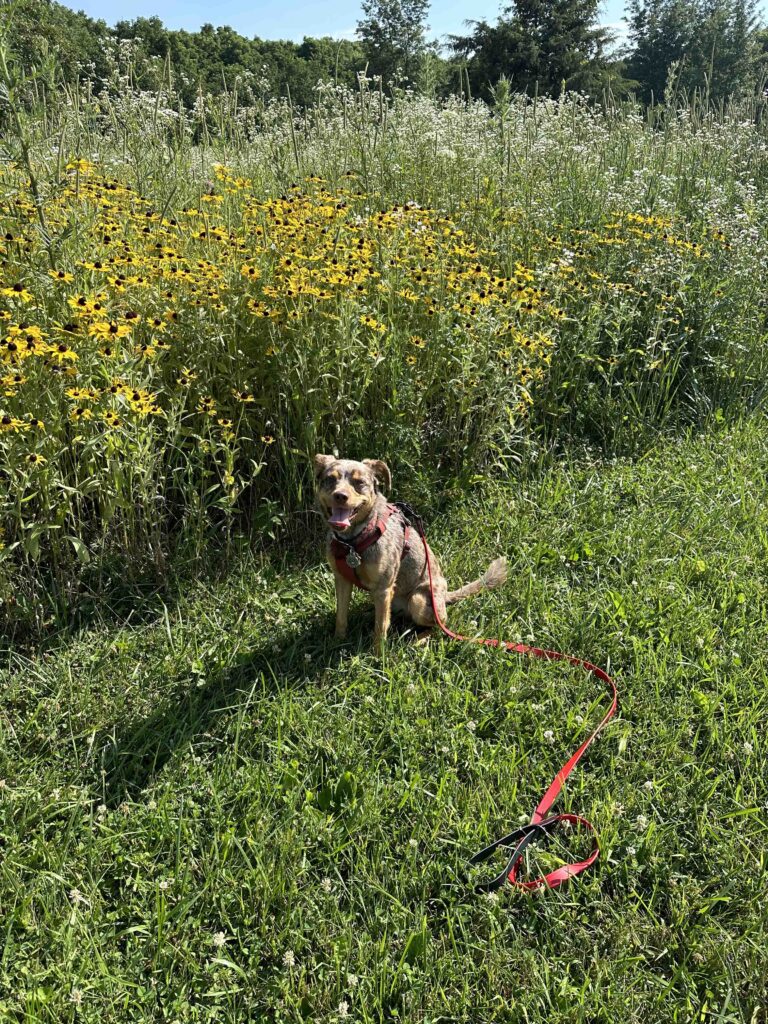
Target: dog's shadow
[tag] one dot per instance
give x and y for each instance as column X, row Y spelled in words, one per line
column 134, row 754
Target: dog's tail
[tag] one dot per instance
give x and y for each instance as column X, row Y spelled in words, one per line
column 494, row 576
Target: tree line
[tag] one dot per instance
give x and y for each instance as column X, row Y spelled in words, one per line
column 545, row 46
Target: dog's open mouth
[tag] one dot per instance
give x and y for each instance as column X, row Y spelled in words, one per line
column 341, row 517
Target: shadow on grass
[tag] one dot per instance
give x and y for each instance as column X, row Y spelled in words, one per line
column 114, row 592
column 134, row 754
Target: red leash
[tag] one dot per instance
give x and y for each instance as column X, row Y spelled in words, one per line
column 540, row 824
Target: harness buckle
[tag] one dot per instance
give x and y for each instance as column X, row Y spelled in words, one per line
column 353, row 559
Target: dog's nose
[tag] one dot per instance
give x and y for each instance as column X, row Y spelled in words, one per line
column 340, row 497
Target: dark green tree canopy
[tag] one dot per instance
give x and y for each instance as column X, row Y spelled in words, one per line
column 393, row 35
column 538, row 44
column 711, row 45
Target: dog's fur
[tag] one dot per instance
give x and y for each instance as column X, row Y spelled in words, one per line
column 352, row 492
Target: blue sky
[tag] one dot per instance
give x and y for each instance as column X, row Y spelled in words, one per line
column 294, row 19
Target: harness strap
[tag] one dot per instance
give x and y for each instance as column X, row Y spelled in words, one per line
column 343, row 550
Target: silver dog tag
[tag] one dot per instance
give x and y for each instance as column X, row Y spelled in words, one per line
column 353, row 559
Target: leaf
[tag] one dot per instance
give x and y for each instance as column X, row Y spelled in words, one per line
column 82, row 552
column 416, row 945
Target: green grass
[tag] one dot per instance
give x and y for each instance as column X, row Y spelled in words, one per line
column 214, row 812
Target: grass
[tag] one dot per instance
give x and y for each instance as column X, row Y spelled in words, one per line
column 211, row 811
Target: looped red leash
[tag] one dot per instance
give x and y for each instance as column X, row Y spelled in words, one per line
column 540, row 825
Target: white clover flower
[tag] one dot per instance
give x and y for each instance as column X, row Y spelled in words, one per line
column 648, row 784
column 289, row 958
column 641, row 821
column 326, row 885
column 549, row 736
column 343, row 1008
column 219, row 939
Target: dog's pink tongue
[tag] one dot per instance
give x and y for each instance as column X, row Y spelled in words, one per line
column 340, row 517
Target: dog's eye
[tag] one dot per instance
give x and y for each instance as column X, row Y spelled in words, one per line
column 359, row 485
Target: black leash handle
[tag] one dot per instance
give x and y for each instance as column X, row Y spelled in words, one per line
column 522, row 838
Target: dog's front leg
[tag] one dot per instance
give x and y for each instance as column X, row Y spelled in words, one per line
column 382, row 603
column 343, row 594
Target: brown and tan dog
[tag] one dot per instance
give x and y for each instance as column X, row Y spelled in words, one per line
column 391, row 564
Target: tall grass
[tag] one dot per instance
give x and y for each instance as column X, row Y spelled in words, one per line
column 443, row 284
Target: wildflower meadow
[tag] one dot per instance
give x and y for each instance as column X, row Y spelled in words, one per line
column 549, row 318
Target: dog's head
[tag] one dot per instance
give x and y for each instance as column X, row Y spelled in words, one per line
column 346, row 490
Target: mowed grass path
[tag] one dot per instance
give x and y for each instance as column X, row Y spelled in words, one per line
column 215, row 812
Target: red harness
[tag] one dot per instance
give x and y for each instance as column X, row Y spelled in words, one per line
column 347, row 553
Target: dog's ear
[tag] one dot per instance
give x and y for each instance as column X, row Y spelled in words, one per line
column 381, row 472
column 322, row 462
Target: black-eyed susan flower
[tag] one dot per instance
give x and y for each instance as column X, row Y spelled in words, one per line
column 82, row 394
column 80, row 166
column 108, row 330
column 207, row 406
column 10, row 424
column 18, row 291
column 62, row 353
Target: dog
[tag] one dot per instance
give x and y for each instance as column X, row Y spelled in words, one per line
column 371, row 545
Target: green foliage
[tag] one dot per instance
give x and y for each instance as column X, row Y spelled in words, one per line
column 540, row 46
column 216, row 59
column 393, row 37
column 211, row 61
column 707, row 45
column 39, row 28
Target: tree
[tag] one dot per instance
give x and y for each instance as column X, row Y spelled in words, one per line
column 539, row 44
column 713, row 44
column 41, row 27
column 393, row 37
